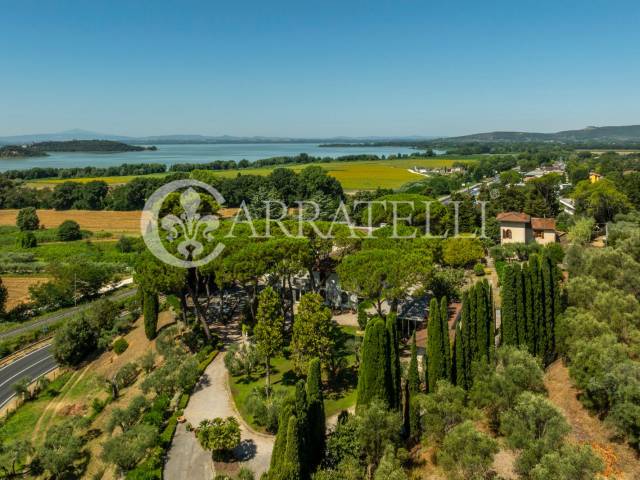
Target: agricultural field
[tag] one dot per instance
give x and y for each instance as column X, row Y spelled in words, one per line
column 18, row 288
column 356, row 175
column 91, row 220
column 117, row 180
column 22, row 268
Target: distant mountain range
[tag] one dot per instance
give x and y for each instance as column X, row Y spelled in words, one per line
column 78, row 134
column 613, row 135
column 591, row 135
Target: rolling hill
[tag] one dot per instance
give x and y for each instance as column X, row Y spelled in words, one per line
column 612, row 135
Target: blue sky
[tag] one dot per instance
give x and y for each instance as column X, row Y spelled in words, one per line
column 318, row 68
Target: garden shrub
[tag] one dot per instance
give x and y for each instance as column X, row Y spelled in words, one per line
column 478, row 269
column 120, row 345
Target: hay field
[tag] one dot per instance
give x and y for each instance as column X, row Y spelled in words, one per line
column 18, row 288
column 94, row 221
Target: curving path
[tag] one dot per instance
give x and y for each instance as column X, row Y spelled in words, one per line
column 212, row 398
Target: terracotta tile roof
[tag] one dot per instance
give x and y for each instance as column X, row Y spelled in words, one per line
column 543, row 223
column 513, row 217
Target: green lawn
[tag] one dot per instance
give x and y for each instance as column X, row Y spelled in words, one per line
column 338, row 396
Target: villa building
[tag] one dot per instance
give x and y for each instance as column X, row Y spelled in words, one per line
column 516, row 227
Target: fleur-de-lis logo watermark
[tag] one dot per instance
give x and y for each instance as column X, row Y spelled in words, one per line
column 186, row 228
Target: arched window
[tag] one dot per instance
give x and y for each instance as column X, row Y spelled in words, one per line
column 506, row 233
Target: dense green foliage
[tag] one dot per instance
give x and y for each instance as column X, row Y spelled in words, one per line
column 477, row 333
column 69, row 230
column 268, row 332
column 27, row 219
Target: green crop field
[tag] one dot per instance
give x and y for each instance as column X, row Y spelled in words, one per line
column 364, row 175
column 356, row 175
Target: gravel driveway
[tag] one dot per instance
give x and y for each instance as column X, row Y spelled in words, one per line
column 212, row 398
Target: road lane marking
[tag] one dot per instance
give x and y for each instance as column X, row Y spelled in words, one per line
column 24, row 370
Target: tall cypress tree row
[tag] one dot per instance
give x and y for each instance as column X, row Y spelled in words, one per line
column 508, row 310
column 150, row 307
column 374, row 377
column 316, row 417
column 446, row 345
column 478, row 315
column 437, row 367
column 537, row 305
column 394, row 361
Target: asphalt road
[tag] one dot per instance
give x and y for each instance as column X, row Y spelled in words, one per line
column 54, row 317
column 32, row 366
column 40, row 361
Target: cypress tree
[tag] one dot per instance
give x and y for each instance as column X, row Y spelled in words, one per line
column 280, row 445
column 491, row 318
column 482, row 324
column 292, row 464
column 413, row 377
column 302, row 415
column 530, row 332
column 316, row 416
column 465, row 319
column 538, row 304
column 436, row 361
column 520, row 306
column 446, row 345
column 460, row 367
column 549, row 299
column 425, row 371
column 150, row 306
column 394, row 361
column 473, row 326
column 374, row 377
column 412, row 388
column 508, row 311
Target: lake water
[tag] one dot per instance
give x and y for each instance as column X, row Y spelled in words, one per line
column 172, row 154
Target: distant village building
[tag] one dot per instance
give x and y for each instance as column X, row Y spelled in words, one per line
column 436, row 171
column 516, row 227
column 558, row 167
